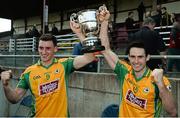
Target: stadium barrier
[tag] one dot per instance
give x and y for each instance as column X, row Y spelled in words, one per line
column 88, row 94
column 33, row 59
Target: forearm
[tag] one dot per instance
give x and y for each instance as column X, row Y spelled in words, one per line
column 167, row 100
column 10, row 94
column 83, row 60
column 111, row 58
column 80, row 36
column 104, row 35
column 109, row 55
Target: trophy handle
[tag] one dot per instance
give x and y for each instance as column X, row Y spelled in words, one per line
column 102, row 8
column 74, row 17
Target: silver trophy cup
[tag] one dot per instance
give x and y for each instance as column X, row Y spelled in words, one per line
column 89, row 24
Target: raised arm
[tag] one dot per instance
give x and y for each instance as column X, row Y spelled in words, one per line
column 86, row 58
column 109, row 55
column 75, row 27
column 13, row 95
column 165, row 95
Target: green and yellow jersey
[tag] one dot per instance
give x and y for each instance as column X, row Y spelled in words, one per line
column 48, row 86
column 139, row 97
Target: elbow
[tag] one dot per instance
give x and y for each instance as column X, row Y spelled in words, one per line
column 13, row 101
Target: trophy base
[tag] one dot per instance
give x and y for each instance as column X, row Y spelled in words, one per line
column 91, row 49
column 92, row 44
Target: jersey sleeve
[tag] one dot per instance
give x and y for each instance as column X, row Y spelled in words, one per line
column 167, row 83
column 23, row 83
column 121, row 69
column 68, row 65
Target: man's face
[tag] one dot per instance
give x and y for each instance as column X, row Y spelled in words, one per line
column 138, row 59
column 163, row 11
column 151, row 26
column 158, row 7
column 46, row 51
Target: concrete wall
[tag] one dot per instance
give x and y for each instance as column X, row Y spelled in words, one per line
column 89, row 95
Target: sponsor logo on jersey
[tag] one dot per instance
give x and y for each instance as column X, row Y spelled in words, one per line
column 36, row 77
column 135, row 86
column 146, row 90
column 169, row 87
column 57, row 71
column 130, row 97
column 47, row 75
column 48, row 87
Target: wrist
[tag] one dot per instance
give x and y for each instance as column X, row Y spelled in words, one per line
column 5, row 85
column 160, row 85
column 105, row 51
column 105, row 22
column 80, row 36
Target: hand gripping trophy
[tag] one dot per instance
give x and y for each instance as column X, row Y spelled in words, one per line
column 89, row 24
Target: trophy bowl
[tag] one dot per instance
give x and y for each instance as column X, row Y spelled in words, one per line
column 89, row 24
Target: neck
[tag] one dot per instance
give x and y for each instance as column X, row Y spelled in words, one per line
column 140, row 73
column 47, row 63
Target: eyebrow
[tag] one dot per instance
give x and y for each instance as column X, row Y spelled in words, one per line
column 137, row 56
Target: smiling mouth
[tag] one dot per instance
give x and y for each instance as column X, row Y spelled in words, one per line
column 136, row 66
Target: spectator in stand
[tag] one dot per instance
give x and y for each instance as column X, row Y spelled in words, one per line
column 147, row 14
column 165, row 17
column 130, row 24
column 156, row 15
column 174, row 47
column 54, row 30
column 152, row 41
column 29, row 33
column 91, row 67
column 35, row 32
column 141, row 10
column 46, row 29
column 173, row 19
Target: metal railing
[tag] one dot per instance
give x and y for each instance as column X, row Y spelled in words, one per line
column 99, row 67
column 164, row 32
column 67, row 42
column 24, row 44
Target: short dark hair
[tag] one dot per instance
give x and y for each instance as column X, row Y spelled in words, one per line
column 164, row 8
column 49, row 37
column 136, row 44
column 149, row 20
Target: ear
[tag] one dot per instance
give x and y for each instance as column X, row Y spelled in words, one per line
column 148, row 57
column 128, row 57
column 55, row 49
